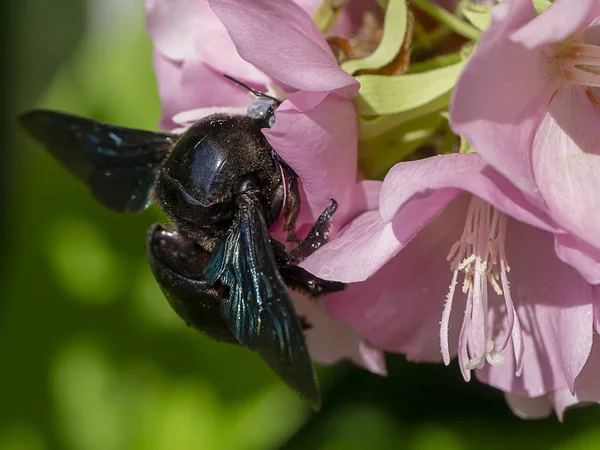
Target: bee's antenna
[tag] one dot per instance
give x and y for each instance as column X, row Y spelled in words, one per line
column 257, row 93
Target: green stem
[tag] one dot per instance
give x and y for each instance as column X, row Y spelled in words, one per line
column 447, row 18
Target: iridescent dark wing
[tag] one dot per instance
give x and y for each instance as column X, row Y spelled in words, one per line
column 119, row 165
column 259, row 310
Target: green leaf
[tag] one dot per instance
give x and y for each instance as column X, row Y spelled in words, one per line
column 448, row 144
column 436, row 62
column 370, row 128
column 382, row 153
column 381, row 95
column 447, row 18
column 479, row 15
column 465, row 147
column 327, row 15
column 541, row 5
column 394, row 29
column 385, row 151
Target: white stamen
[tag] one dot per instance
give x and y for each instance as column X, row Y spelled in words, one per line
column 480, row 256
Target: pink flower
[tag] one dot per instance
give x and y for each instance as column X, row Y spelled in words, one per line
column 528, row 102
column 455, row 240
column 272, row 44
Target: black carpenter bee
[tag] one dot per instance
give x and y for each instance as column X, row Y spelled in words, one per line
column 222, row 186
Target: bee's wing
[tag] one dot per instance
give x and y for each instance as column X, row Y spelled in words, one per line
column 259, row 310
column 119, row 165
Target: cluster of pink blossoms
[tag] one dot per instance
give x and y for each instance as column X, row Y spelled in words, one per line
column 492, row 255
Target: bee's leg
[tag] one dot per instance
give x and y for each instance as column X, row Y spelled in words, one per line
column 292, row 199
column 292, row 203
column 292, row 206
column 317, row 236
column 306, row 325
column 300, row 279
column 178, row 266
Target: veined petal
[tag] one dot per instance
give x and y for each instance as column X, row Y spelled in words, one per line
column 561, row 20
column 361, row 249
column 365, row 197
column 416, row 179
column 281, row 39
column 319, row 144
column 580, row 255
column 501, row 96
column 554, row 305
column 566, row 162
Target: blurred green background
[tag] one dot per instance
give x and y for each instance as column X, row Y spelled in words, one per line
column 92, row 358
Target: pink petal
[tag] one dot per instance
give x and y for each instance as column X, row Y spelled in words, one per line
column 597, row 308
column 587, row 388
column 398, row 308
column 592, row 33
column 580, row 255
column 554, row 305
column 203, row 86
column 529, row 408
column 172, row 23
column 368, row 243
column 416, row 179
column 310, row 6
column 213, row 47
column 501, row 95
column 412, row 194
column 190, row 73
column 566, row 161
column 364, row 197
column 357, row 253
column 319, row 144
column 191, row 116
column 371, row 358
column 182, row 88
column 561, row 20
column 281, row 39
column 330, row 341
column 168, row 79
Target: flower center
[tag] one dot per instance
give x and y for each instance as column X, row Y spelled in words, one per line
column 480, row 256
column 579, row 63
